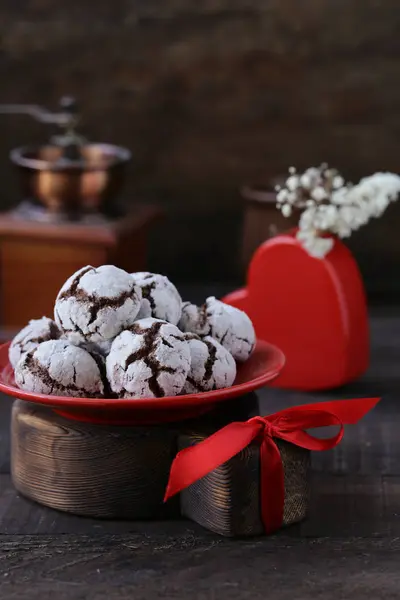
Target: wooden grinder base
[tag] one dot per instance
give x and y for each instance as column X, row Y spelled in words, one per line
column 37, row 258
column 91, row 470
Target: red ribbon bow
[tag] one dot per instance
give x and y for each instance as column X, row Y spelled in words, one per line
column 195, row 462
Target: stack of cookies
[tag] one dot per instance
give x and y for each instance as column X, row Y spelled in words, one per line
column 121, row 335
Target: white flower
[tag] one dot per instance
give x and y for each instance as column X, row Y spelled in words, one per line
column 337, row 182
column 376, row 192
column 292, row 198
column 292, row 170
column 305, row 180
column 292, row 183
column 319, row 194
column 388, row 183
column 314, row 174
column 380, row 205
column 286, row 210
column 318, row 217
column 328, row 215
column 321, row 247
column 340, row 196
column 314, row 186
column 316, row 246
column 344, row 223
column 307, row 218
column 372, row 195
column 282, row 196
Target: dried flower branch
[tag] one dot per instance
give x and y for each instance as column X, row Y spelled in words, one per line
column 329, row 205
column 314, row 186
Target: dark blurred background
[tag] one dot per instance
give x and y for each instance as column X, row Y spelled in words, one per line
column 212, row 95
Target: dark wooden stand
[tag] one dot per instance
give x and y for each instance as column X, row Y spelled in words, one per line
column 91, row 470
column 120, row 472
column 36, row 258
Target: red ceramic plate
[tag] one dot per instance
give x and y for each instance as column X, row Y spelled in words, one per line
column 265, row 364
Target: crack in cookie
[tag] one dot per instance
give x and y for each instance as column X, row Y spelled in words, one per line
column 54, row 331
column 101, row 365
column 246, row 341
column 98, row 303
column 221, row 341
column 166, row 343
column 67, row 329
column 146, row 294
column 31, row 336
column 194, row 384
column 212, row 357
column 53, row 334
column 37, row 340
column 203, row 317
column 147, row 354
column 73, row 288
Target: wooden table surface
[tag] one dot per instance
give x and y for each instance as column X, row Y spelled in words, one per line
column 348, row 548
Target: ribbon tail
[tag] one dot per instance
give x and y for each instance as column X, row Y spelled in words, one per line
column 195, row 462
column 272, row 483
column 351, row 411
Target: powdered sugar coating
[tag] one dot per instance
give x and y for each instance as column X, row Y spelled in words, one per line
column 212, row 366
column 60, row 368
column 160, row 298
column 95, row 305
column 150, row 360
column 36, row 332
column 230, row 326
column 193, row 319
column 101, row 348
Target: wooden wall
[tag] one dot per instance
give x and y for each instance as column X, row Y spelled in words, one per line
column 212, row 94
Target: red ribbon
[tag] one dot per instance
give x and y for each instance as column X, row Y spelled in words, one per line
column 195, row 462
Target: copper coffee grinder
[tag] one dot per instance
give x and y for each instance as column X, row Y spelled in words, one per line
column 69, row 215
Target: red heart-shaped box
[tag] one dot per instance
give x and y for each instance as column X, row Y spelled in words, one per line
column 313, row 309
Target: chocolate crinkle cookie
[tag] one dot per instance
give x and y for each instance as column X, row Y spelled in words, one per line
column 29, row 338
column 230, row 326
column 95, row 305
column 212, row 366
column 149, row 360
column 160, row 298
column 60, row 368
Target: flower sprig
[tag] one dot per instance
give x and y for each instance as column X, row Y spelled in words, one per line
column 330, row 205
